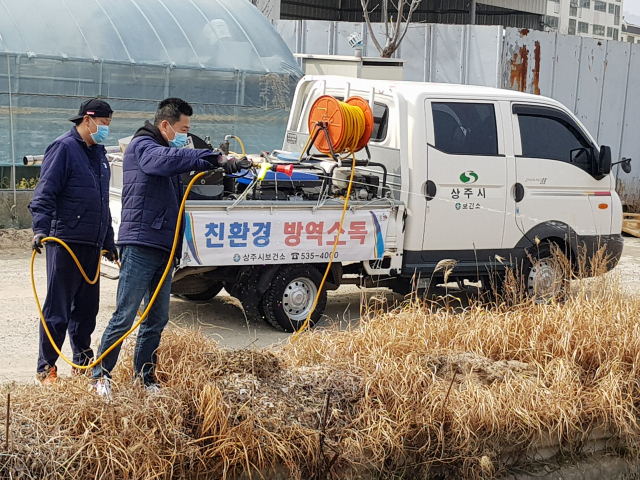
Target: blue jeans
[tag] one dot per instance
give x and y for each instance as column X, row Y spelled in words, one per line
column 141, row 271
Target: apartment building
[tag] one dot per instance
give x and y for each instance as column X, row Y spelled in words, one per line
column 588, row 18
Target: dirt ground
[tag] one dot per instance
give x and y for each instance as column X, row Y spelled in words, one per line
column 221, row 318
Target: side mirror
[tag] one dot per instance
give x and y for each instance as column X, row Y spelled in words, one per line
column 625, row 164
column 604, row 162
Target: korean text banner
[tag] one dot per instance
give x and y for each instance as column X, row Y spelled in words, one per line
column 257, row 238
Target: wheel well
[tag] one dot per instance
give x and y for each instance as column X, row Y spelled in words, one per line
column 564, row 247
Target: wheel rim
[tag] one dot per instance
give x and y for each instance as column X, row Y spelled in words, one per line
column 545, row 280
column 298, row 298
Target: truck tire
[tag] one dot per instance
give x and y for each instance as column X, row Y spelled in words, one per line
column 290, row 296
column 208, row 294
column 546, row 275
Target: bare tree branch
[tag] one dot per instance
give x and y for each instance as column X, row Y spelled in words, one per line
column 396, row 32
column 414, row 5
column 365, row 9
column 385, row 6
column 393, row 33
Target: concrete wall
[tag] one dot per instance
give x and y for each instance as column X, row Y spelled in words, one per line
column 20, row 217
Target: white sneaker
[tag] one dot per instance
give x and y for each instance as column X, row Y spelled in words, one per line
column 102, row 387
column 152, row 388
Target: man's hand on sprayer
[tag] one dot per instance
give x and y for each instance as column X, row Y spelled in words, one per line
column 232, row 165
column 244, row 163
column 111, row 254
column 36, row 242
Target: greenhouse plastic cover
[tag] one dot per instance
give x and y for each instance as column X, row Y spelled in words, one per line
column 222, row 56
column 220, row 34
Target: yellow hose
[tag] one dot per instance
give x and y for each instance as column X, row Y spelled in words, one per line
column 354, row 126
column 241, row 145
column 151, row 302
column 305, row 325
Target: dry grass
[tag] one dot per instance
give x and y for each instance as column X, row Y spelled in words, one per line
column 411, row 392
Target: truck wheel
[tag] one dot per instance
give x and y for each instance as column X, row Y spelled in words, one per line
column 547, row 276
column 208, row 294
column 290, row 296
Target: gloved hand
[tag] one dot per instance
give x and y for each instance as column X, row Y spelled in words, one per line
column 36, row 242
column 232, row 165
column 111, row 254
column 244, row 163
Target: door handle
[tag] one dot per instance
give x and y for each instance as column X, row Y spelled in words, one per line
column 518, row 192
column 430, row 190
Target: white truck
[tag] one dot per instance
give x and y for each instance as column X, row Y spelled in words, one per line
column 489, row 178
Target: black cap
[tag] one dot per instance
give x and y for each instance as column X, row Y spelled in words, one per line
column 94, row 108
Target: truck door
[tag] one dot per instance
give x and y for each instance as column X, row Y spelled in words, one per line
column 556, row 192
column 466, row 182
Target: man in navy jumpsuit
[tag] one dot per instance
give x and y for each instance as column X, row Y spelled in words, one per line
column 151, row 196
column 71, row 202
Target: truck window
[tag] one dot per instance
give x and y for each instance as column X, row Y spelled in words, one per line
column 380, row 122
column 553, row 138
column 465, row 128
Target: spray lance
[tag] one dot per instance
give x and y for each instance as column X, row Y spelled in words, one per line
column 265, row 167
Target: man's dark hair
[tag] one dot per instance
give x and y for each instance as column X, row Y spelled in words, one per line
column 170, row 109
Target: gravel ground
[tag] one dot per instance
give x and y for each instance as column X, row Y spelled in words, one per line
column 221, row 317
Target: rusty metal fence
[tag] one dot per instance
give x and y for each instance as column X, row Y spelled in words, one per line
column 599, row 80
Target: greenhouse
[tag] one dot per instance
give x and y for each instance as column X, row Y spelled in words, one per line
column 222, row 56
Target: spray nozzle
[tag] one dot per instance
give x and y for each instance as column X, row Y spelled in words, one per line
column 266, row 166
column 286, row 169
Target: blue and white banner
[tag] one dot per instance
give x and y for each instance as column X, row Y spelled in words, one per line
column 282, row 236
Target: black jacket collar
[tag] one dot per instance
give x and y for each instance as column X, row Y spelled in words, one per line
column 150, row 130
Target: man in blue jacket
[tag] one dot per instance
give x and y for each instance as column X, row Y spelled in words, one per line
column 71, row 202
column 151, row 196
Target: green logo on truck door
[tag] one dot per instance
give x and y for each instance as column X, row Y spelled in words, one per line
column 469, row 177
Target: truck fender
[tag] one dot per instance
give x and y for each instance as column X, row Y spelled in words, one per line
column 555, row 231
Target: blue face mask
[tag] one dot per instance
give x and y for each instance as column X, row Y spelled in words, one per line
column 179, row 140
column 102, row 133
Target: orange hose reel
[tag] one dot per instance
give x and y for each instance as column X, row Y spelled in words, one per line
column 330, row 112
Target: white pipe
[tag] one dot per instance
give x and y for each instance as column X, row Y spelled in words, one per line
column 31, row 160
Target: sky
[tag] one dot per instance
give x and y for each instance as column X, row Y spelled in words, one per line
column 632, row 11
